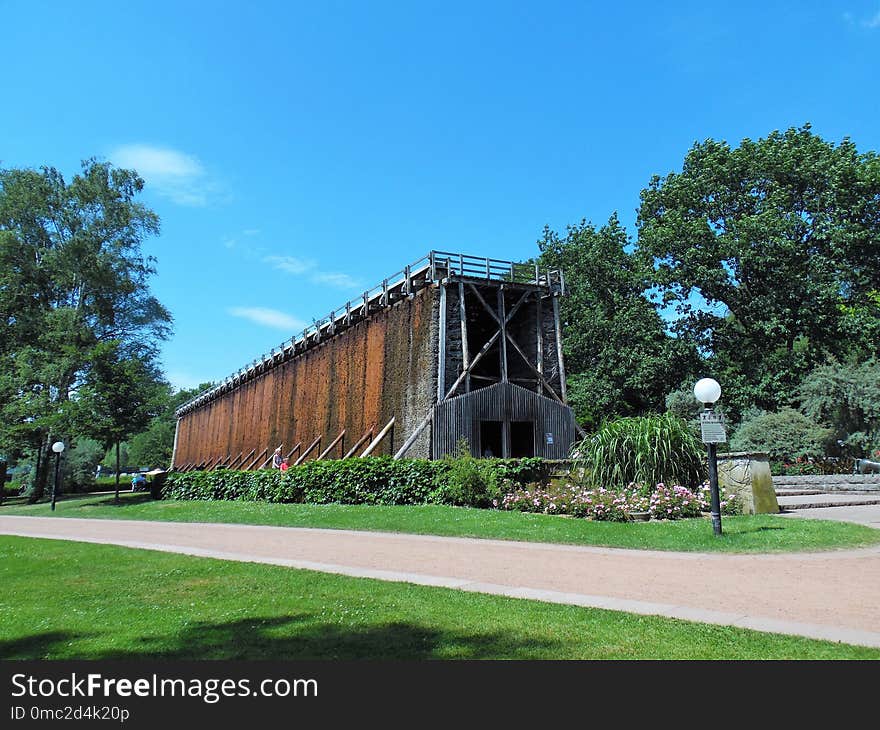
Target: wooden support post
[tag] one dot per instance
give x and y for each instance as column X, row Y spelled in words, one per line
column 414, row 435
column 465, row 357
column 332, row 444
column 218, row 462
column 533, row 369
column 441, row 355
column 540, row 340
column 559, row 347
column 407, row 281
column 308, row 451
column 250, row 454
column 248, row 468
column 491, row 341
column 174, row 448
column 358, row 443
column 369, row 450
column 347, row 314
column 503, row 349
column 295, row 448
column 235, row 460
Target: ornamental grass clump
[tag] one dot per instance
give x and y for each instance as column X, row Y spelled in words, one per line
column 641, row 450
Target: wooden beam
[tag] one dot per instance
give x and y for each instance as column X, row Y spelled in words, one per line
column 542, row 379
column 462, row 315
column 250, row 454
column 485, row 348
column 503, row 349
column 308, row 451
column 465, row 373
column 414, row 435
column 559, row 346
column 353, row 449
column 173, row 448
column 369, row 450
column 540, row 340
column 235, row 460
column 218, row 462
column 332, row 444
column 441, row 355
column 295, row 448
column 248, row 468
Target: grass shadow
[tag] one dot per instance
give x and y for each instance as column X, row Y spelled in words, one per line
column 36, row 646
column 129, row 501
column 301, row 637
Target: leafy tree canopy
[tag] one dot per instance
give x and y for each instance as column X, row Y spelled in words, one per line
column 769, row 252
column 618, row 357
column 72, row 279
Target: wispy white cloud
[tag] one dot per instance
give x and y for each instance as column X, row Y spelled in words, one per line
column 310, row 268
column 336, row 279
column 871, row 23
column 291, row 264
column 175, row 175
column 269, row 318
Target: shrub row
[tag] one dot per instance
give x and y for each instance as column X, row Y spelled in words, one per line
column 371, row 480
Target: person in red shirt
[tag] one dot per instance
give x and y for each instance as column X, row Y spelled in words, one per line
column 284, row 465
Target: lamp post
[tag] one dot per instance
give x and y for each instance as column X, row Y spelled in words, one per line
column 707, row 391
column 57, row 447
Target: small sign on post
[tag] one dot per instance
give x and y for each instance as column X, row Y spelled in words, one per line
column 549, row 438
column 712, row 428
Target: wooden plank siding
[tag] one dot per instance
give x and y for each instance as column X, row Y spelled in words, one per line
column 376, row 370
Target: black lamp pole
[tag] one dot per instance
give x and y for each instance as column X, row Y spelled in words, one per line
column 57, row 472
column 713, row 487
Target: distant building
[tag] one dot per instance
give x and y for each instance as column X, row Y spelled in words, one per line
column 451, row 348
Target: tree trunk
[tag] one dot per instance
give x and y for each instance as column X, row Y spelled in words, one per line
column 117, row 472
column 41, row 476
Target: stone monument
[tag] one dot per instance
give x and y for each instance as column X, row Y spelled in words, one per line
column 747, row 474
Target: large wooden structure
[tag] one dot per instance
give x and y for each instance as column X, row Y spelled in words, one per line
column 451, row 348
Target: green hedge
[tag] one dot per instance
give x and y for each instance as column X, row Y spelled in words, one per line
column 370, row 480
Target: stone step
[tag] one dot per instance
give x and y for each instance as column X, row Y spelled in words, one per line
column 815, row 501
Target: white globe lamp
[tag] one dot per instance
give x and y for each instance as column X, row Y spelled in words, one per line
column 707, row 391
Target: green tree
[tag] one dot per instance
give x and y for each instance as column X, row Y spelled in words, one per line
column 619, row 359
column 118, row 398
column 154, row 446
column 846, row 398
column 769, row 252
column 72, row 276
column 785, row 435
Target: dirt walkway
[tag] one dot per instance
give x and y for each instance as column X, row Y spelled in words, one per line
column 830, row 595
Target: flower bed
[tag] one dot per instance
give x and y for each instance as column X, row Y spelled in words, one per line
column 662, row 502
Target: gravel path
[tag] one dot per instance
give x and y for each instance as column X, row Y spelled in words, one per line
column 830, row 595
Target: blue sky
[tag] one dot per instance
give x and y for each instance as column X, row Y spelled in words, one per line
column 299, row 152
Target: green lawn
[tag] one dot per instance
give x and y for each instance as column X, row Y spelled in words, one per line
column 761, row 533
column 68, row 600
